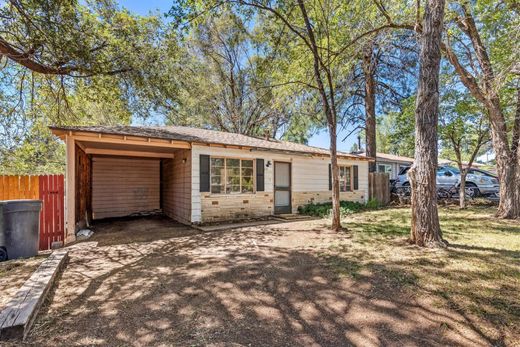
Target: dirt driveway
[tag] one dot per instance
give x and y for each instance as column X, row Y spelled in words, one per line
column 151, row 282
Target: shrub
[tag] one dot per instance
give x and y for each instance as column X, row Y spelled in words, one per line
column 373, row 204
column 345, row 208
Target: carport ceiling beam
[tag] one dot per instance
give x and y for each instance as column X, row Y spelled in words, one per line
column 100, row 151
column 132, row 140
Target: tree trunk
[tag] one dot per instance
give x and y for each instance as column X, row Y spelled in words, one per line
column 369, row 70
column 462, row 188
column 336, row 218
column 508, row 165
column 330, row 113
column 425, row 230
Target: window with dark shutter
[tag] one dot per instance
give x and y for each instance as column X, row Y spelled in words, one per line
column 260, row 180
column 356, row 177
column 204, row 173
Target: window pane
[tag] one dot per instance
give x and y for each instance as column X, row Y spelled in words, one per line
column 247, row 172
column 232, row 176
column 247, row 184
column 233, row 171
column 217, row 162
column 247, row 163
column 233, row 163
column 217, row 175
column 233, row 180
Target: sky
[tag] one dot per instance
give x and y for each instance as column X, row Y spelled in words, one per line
column 319, row 140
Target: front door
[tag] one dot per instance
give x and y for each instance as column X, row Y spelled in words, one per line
column 282, row 187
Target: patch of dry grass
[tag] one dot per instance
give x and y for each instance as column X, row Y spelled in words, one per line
column 478, row 275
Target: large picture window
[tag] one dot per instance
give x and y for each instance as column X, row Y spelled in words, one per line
column 231, row 176
column 345, row 182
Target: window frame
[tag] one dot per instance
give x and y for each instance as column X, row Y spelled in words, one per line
column 387, row 168
column 351, row 176
column 224, row 176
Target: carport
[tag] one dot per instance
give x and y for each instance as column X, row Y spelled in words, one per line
column 114, row 175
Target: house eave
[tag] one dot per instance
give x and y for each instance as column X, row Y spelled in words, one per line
column 112, row 137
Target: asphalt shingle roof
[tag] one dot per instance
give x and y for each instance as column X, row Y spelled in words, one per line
column 190, row 134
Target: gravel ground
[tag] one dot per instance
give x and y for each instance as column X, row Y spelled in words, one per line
column 151, row 282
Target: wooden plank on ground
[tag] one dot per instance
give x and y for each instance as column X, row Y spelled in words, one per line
column 19, row 314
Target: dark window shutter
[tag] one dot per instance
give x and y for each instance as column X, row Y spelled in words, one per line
column 260, row 180
column 356, row 177
column 204, row 173
column 330, row 176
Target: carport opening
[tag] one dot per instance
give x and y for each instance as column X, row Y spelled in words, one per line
column 117, row 187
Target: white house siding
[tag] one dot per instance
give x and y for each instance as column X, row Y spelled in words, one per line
column 310, row 182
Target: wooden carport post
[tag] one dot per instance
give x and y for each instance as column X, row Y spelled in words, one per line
column 70, row 187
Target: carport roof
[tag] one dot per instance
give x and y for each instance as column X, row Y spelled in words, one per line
column 204, row 136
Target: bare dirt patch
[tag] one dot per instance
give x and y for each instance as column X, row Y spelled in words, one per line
column 13, row 273
column 277, row 285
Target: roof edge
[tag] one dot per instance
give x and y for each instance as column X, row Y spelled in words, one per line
column 55, row 128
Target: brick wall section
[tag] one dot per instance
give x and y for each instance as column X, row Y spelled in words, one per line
column 176, row 187
column 234, row 207
column 222, row 207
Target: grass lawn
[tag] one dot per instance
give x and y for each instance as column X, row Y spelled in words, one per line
column 478, row 275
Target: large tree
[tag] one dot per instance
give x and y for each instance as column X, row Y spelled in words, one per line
column 388, row 64
column 482, row 46
column 228, row 85
column 425, row 229
column 68, row 62
column 483, row 54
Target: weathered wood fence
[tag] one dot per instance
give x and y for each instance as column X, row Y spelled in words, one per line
column 379, row 187
column 47, row 188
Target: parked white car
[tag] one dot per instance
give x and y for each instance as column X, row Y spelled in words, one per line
column 480, row 181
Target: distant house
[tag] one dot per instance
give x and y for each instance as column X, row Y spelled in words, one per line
column 391, row 163
column 196, row 175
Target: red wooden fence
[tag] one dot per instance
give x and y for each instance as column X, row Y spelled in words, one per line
column 50, row 190
column 52, row 219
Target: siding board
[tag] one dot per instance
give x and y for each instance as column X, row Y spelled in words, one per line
column 176, row 186
column 122, row 186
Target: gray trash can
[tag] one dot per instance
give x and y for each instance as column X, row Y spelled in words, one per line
column 21, row 227
column 3, row 248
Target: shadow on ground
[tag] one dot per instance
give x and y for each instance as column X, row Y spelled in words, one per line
column 262, row 286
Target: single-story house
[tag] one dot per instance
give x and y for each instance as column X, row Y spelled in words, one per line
column 195, row 175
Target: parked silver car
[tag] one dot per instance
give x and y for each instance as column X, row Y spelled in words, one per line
column 481, row 182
